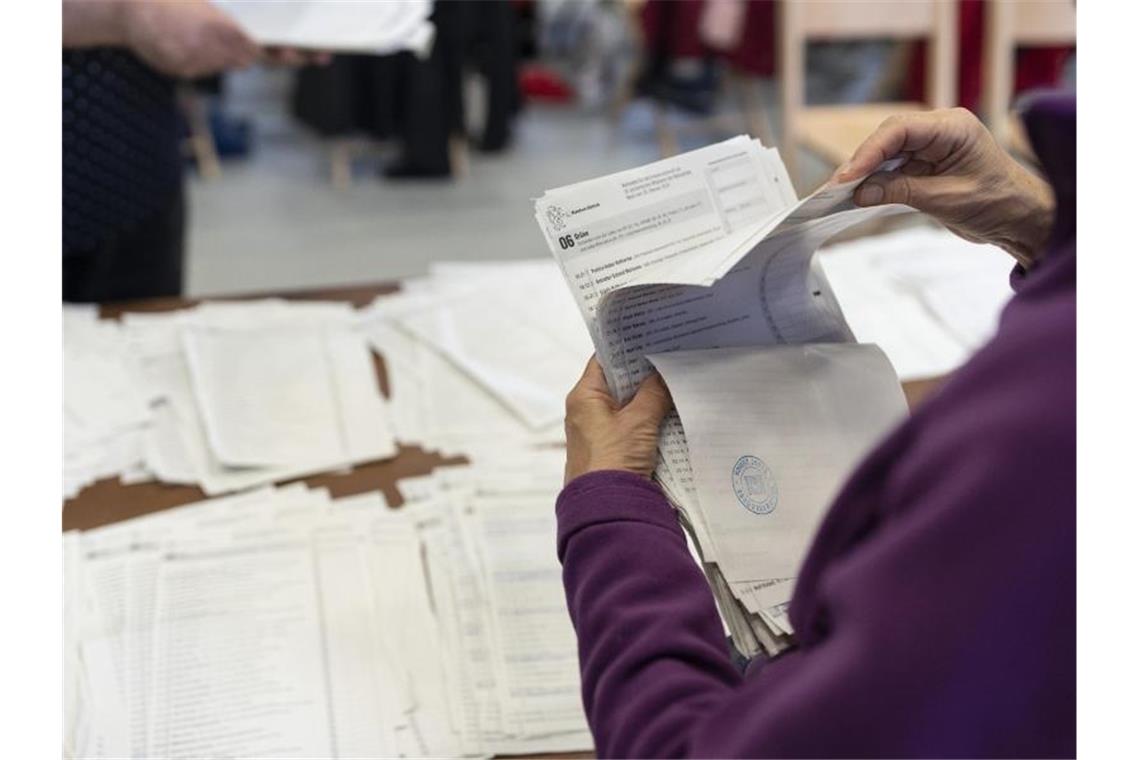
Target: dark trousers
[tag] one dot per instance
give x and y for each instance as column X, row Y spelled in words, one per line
column 144, row 261
column 420, row 102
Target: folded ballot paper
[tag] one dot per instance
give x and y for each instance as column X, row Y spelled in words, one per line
column 710, row 250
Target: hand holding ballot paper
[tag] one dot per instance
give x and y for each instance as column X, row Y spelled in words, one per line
column 703, row 266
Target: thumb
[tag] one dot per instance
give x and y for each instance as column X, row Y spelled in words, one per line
column 888, row 187
column 932, row 195
column 652, row 400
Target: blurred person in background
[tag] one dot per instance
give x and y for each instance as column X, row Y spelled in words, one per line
column 935, row 612
column 476, row 34
column 123, row 205
column 420, row 102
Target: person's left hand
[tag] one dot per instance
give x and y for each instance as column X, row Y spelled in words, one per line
column 602, row 435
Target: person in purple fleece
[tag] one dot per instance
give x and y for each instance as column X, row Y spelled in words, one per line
column 936, row 609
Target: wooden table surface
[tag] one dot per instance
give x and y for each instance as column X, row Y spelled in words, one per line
column 109, row 501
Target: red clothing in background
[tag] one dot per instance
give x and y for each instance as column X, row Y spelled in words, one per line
column 1037, row 67
column 672, row 27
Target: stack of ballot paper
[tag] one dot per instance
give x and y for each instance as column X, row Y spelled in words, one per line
column 105, row 412
column 710, row 251
column 378, row 27
column 226, row 396
column 230, row 396
column 282, row 623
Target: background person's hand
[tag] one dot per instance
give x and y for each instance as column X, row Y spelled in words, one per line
column 601, row 435
column 957, row 173
column 187, row 38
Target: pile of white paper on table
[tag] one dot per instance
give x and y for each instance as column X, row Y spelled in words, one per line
column 226, row 396
column 479, row 356
column 282, row 623
column 105, row 411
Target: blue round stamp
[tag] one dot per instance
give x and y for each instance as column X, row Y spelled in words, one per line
column 755, row 485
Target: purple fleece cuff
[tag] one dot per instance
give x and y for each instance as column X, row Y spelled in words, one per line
column 611, row 496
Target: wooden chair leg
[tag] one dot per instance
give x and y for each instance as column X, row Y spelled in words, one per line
column 460, row 156
column 201, row 139
column 626, row 89
column 623, row 95
column 666, row 139
column 340, row 164
column 755, row 117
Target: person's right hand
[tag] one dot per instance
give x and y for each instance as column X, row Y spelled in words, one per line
column 186, row 38
column 957, row 173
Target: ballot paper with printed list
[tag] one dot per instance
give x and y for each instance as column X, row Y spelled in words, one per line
column 708, row 249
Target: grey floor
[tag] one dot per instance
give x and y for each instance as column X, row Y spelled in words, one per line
column 275, row 222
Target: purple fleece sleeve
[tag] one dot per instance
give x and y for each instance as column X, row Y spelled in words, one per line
column 656, row 653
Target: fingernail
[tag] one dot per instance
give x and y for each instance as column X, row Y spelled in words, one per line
column 842, row 171
column 870, row 194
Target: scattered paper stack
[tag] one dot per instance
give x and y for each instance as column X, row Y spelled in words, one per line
column 281, row 623
column 226, row 396
column 480, row 356
column 230, row 396
column 105, row 411
column 509, row 650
